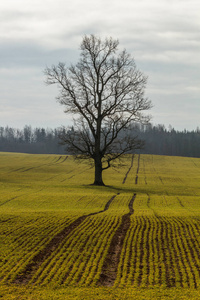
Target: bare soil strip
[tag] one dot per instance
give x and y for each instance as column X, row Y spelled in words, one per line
column 49, row 164
column 179, row 201
column 145, row 177
column 54, row 243
column 58, row 159
column 1, row 204
column 136, row 177
column 128, row 170
column 110, row 266
column 65, row 159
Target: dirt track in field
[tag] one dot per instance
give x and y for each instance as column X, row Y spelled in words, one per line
column 109, row 270
column 54, row 243
column 124, row 180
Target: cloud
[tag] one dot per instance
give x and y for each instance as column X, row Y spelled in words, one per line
column 25, row 99
column 163, row 37
column 25, row 54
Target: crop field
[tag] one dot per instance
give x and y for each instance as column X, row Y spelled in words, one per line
column 63, row 238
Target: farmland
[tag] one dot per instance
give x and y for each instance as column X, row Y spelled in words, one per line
column 138, row 237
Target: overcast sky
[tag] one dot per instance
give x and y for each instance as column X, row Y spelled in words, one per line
column 163, row 37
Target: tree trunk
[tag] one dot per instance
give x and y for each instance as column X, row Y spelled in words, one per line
column 98, row 172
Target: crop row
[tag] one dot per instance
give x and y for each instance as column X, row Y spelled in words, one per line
column 68, row 241
column 46, row 250
column 22, row 241
column 156, row 250
column 160, row 251
column 79, row 257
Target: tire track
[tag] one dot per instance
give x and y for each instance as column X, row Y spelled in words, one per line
column 66, row 157
column 44, row 253
column 47, row 164
column 179, row 201
column 52, row 271
column 124, row 269
column 149, row 206
column 59, row 159
column 1, row 204
column 87, row 268
column 124, row 180
column 13, row 198
column 50, row 262
column 145, row 177
column 138, row 168
column 110, row 265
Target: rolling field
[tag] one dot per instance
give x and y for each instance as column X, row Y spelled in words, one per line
column 136, row 238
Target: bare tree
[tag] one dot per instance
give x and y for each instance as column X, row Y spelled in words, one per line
column 105, row 91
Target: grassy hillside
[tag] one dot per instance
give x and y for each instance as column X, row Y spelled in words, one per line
column 136, row 238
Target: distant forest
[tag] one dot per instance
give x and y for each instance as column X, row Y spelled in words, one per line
column 158, row 140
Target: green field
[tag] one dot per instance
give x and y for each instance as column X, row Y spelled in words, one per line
column 136, row 238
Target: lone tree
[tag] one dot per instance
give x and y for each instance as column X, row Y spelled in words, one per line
column 105, row 91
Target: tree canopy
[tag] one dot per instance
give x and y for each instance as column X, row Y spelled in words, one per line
column 106, row 93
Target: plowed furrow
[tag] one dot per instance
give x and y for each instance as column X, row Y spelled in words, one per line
column 127, row 268
column 124, row 180
column 110, row 266
column 49, row 267
column 46, row 251
column 52, row 246
column 137, row 172
column 77, row 273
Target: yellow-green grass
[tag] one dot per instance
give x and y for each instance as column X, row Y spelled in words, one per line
column 43, row 195
column 88, row 293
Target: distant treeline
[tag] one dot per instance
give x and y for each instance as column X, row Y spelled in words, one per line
column 158, row 140
column 29, row 140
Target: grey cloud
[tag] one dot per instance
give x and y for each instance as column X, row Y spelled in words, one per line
column 11, row 16
column 28, row 54
column 163, row 36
